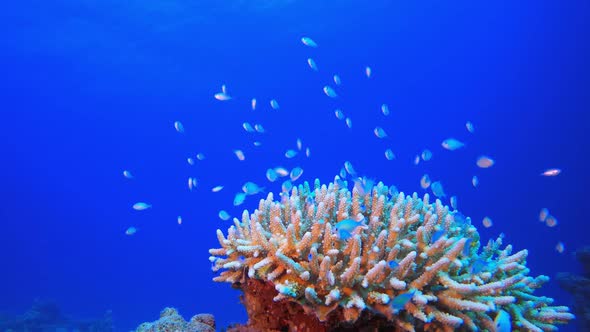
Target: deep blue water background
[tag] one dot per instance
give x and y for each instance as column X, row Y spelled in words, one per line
column 90, row 88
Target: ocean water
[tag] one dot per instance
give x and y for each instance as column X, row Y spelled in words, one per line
column 93, row 88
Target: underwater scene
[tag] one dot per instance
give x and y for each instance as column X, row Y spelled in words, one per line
column 294, row 165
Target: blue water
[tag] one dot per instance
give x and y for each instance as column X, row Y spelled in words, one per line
column 91, row 88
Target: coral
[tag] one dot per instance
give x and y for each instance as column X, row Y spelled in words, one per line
column 412, row 263
column 171, row 321
column 46, row 316
column 579, row 287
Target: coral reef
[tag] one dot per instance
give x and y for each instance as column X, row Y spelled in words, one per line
column 46, row 316
column 171, row 321
column 378, row 256
column 579, row 287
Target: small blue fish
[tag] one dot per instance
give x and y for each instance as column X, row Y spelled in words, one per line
column 452, row 144
column 287, row 186
column 309, row 42
column 454, row 202
column 437, row 235
column 393, row 191
column 248, row 127
column 393, row 264
column 140, row 206
column 364, row 185
column 222, row 96
column 349, row 169
column 460, row 218
column 363, row 208
column 477, row 266
column 343, row 173
column 437, row 189
column 543, row 214
column 179, row 127
column 348, row 122
column 223, row 215
column 502, row 322
column 475, row 181
column 271, row 175
column 240, row 155
column 340, row 183
column 290, row 153
column 259, row 128
column 400, row 301
column 344, row 234
column 213, row 261
column 309, row 257
column 337, row 79
column 425, row 181
column 251, row 188
column 274, row 104
column 296, row 173
column 299, row 144
column 239, row 199
column 312, row 64
column 348, row 225
column 131, row 230
column 417, row 159
column 380, row 132
column 389, row 155
column 330, row 92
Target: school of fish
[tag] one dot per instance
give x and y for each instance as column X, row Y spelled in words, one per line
column 272, row 174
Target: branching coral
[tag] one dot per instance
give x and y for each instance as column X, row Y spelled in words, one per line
column 406, row 246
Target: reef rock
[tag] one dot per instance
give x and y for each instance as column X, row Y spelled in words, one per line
column 171, row 321
column 579, row 287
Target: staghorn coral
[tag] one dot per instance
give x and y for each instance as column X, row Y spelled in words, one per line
column 406, row 245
